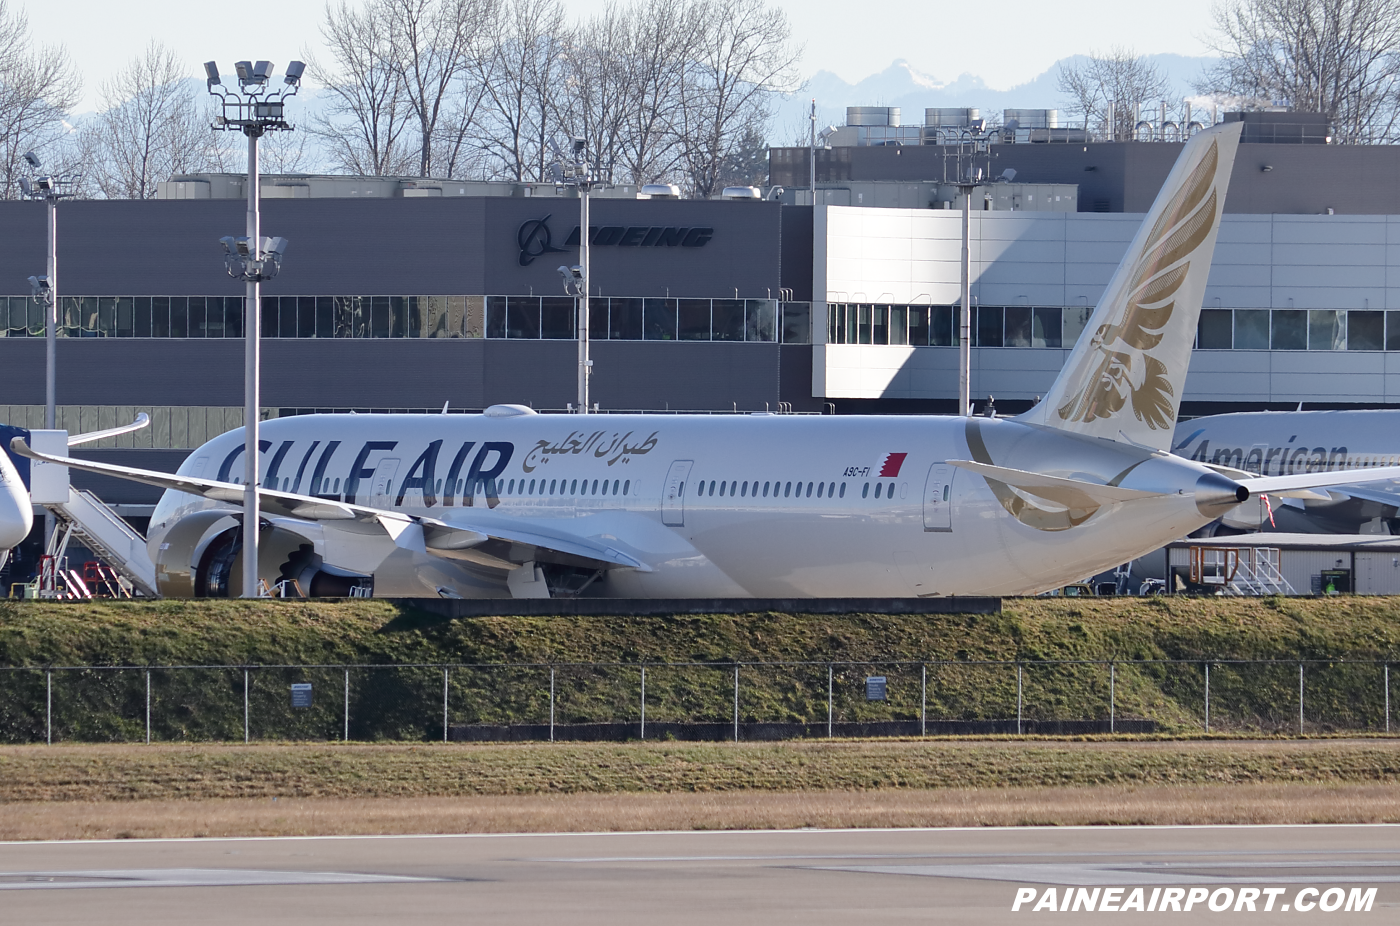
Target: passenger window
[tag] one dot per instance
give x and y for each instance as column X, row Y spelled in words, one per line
column 820, row 487
column 337, row 486
column 573, row 487
column 721, row 488
column 877, row 490
column 787, row 490
column 744, row 489
column 865, row 491
column 809, row 490
column 843, row 490
column 552, row 484
column 945, row 493
column 765, row 490
column 626, row 487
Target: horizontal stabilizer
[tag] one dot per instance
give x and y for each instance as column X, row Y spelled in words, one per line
column 1072, row 493
column 1278, row 485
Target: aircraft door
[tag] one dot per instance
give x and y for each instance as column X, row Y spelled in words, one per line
column 382, row 485
column 938, row 498
column 673, row 493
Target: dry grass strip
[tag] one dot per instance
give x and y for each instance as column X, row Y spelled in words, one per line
column 1191, row 804
column 358, row 771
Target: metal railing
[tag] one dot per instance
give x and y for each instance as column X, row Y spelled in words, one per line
column 690, row 700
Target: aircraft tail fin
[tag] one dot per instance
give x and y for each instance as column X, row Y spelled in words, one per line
column 1124, row 379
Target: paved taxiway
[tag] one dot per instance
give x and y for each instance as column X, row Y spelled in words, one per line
column 807, row 876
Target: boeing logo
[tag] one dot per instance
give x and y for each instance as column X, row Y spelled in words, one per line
column 535, row 239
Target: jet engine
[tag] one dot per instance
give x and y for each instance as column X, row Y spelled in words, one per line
column 201, row 556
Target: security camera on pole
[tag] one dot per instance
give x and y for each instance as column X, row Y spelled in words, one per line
column 50, row 188
column 254, row 109
column 574, row 169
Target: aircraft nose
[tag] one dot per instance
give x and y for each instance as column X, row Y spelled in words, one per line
column 1215, row 494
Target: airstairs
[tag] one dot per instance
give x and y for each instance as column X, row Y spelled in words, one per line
column 86, row 518
column 1244, row 571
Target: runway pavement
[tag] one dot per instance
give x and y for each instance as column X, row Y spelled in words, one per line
column 969, row 876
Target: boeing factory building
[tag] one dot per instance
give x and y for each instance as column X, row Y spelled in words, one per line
column 409, row 295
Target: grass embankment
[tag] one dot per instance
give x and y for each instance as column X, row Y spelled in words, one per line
column 139, row 791
column 406, row 703
column 194, row 789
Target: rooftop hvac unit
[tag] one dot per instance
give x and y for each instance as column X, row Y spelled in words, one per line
column 1030, row 118
column 741, row 192
column 872, row 115
column 659, row 191
column 950, row 117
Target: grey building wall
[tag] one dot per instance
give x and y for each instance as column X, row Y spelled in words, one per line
column 1125, row 176
column 408, row 373
column 428, row 246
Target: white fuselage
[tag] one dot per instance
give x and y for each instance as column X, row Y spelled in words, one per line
column 16, row 513
column 1287, row 443
column 1292, row 443
column 735, row 506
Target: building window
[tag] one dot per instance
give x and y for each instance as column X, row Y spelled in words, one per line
column 659, row 316
column 1327, row 330
column 1365, row 331
column 625, row 319
column 1215, row 329
column 1251, row 329
column 693, row 319
column 1290, row 330
column 728, row 319
column 797, row 322
column 988, row 326
column 557, row 317
column 1045, row 328
column 1018, row 326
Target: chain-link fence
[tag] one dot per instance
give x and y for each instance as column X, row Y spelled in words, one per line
column 687, row 701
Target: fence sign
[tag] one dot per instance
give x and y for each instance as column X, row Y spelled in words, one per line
column 875, row 688
column 301, row 694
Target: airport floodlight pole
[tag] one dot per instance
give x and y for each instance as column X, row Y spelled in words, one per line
column 255, row 108
column 49, row 188
column 965, row 310
column 573, row 168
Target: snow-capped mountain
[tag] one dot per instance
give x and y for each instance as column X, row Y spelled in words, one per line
column 905, row 85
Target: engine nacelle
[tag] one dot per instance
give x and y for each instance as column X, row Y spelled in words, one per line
column 201, row 556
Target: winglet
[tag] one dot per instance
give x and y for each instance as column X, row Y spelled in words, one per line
column 1125, row 376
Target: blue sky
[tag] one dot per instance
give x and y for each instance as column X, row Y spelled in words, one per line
column 1005, row 42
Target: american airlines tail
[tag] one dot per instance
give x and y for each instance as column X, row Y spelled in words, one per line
column 1124, row 380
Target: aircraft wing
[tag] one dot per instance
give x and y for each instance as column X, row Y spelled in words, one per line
column 1072, row 493
column 439, row 535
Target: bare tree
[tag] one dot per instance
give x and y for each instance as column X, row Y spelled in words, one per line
column 1337, row 57
column 433, row 45
column 152, row 124
column 369, row 110
column 740, row 59
column 38, row 87
column 1119, row 78
column 521, row 80
column 661, row 35
column 596, row 98
column 284, row 153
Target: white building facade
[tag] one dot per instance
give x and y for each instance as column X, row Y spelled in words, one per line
column 1299, row 308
